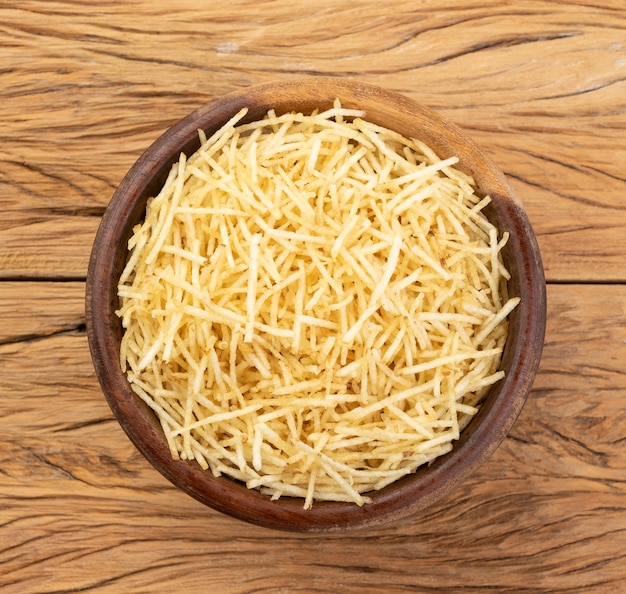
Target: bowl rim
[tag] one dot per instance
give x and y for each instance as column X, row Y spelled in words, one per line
column 408, row 495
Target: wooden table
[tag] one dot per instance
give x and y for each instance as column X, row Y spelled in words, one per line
column 87, row 87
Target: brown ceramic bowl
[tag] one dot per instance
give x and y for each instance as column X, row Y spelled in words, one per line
column 500, row 408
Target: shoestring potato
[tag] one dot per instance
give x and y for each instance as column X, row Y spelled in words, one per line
column 314, row 305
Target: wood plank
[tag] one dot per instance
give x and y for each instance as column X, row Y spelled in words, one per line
column 92, row 93
column 81, row 509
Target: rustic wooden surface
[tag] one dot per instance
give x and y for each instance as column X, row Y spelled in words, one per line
column 85, row 87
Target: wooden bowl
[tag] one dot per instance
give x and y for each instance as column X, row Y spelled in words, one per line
column 499, row 410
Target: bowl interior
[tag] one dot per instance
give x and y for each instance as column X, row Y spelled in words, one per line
column 499, row 409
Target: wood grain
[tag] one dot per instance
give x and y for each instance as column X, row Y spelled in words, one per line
column 87, row 87
column 82, row 510
column 37, row 311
